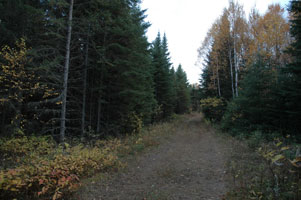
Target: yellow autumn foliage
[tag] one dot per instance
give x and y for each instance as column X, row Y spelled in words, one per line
column 36, row 168
column 19, row 82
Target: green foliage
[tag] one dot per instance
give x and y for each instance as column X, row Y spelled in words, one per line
column 133, row 124
column 290, row 88
column 163, row 79
column 195, row 94
column 182, row 92
column 114, row 70
column 272, row 172
column 22, row 145
column 19, row 19
column 213, row 108
column 20, row 85
column 254, row 109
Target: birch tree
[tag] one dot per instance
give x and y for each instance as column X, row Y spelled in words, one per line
column 269, row 35
column 238, row 33
column 216, row 45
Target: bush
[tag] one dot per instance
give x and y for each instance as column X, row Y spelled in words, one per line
column 213, row 108
column 36, row 168
column 23, row 145
column 133, row 123
column 272, row 172
column 42, row 170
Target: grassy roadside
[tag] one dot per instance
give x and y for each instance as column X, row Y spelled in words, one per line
column 35, row 168
column 259, row 169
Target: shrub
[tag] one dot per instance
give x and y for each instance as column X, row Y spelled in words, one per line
column 47, row 171
column 133, row 123
column 41, row 170
column 272, row 172
column 23, row 145
column 213, row 108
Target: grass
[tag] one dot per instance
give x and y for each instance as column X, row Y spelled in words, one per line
column 262, row 170
column 262, row 166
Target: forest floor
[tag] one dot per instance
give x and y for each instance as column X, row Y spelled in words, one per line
column 190, row 165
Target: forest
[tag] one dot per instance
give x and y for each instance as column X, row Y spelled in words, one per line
column 69, row 69
column 81, row 87
column 79, row 70
column 251, row 75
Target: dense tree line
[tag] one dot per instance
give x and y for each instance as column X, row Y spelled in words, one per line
column 253, row 65
column 84, row 67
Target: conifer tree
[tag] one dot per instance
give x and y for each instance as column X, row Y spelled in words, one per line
column 182, row 91
column 162, row 76
column 291, row 80
column 253, row 109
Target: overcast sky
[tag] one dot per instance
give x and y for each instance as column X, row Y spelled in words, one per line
column 186, row 23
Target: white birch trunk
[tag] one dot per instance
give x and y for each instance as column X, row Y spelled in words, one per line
column 231, row 71
column 236, row 76
column 236, row 65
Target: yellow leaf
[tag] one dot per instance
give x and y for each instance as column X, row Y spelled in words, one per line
column 278, row 144
column 285, row 148
column 296, row 162
column 14, row 189
column 67, row 145
column 277, row 158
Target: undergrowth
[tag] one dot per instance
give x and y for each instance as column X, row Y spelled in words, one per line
column 262, row 169
column 36, row 168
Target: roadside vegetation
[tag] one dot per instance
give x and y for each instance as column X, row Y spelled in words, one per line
column 35, row 167
column 261, row 169
column 250, row 90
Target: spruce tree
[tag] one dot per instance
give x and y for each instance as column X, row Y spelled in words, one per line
column 182, row 91
column 291, row 79
column 254, row 108
column 162, row 76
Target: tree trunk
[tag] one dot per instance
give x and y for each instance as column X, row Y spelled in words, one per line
column 91, row 100
column 231, row 71
column 85, row 87
column 3, row 121
column 235, row 65
column 66, row 72
column 98, row 115
column 218, row 83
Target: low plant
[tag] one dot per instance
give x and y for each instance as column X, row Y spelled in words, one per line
column 46, row 171
column 213, row 108
column 36, row 168
column 272, row 171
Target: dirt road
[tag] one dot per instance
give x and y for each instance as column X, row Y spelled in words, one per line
column 190, row 165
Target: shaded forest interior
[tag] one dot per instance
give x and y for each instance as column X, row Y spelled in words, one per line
column 83, row 68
